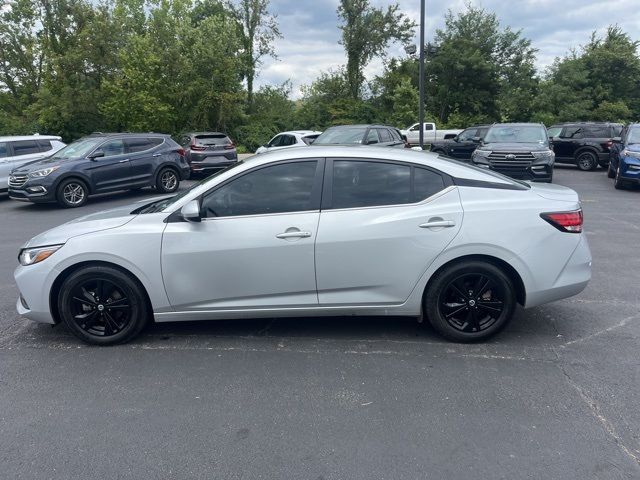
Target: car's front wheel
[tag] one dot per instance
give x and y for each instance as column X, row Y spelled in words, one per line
column 619, row 183
column 72, row 193
column 102, row 305
column 470, row 301
column 167, row 180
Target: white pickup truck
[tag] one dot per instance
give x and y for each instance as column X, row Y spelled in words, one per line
column 431, row 133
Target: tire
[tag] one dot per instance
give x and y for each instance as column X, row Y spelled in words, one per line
column 619, row 183
column 167, row 180
column 473, row 317
column 587, row 160
column 72, row 193
column 90, row 318
column 611, row 173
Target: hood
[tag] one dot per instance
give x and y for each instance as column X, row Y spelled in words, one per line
column 634, row 147
column 552, row 191
column 94, row 222
column 43, row 163
column 514, row 147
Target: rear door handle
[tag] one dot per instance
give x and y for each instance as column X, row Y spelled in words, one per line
column 438, row 224
column 124, row 161
column 157, row 155
column 294, row 234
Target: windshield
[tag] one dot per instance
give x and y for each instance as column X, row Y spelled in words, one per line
column 79, row 148
column 341, row 136
column 516, row 134
column 162, row 204
column 634, row 136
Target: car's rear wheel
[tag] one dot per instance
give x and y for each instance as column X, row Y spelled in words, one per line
column 470, row 301
column 102, row 305
column 72, row 193
column 611, row 173
column 167, row 180
column 587, row 161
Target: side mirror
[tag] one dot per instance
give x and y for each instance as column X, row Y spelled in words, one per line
column 371, row 142
column 97, row 154
column 476, row 139
column 191, row 211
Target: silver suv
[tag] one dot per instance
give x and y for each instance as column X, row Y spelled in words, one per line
column 16, row 151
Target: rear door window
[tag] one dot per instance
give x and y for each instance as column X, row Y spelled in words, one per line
column 572, row 133
column 385, row 136
column 276, row 141
column 45, row 145
column 3, row 150
column 372, row 137
column 288, row 140
column 141, row 144
column 25, row 147
column 426, row 183
column 365, row 184
column 598, row 131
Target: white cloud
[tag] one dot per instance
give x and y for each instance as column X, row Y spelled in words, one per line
column 310, row 30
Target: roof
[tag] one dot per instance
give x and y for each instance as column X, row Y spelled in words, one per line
column 365, row 125
column 586, row 123
column 127, row 134
column 300, row 132
column 518, row 124
column 204, row 133
column 17, row 138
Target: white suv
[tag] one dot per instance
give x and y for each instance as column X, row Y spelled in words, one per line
column 16, row 151
column 295, row 138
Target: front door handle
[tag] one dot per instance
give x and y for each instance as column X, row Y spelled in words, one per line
column 294, row 234
column 438, row 224
column 157, row 155
column 124, row 161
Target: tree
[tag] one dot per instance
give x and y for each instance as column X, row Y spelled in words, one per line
column 366, row 33
column 258, row 31
column 600, row 81
column 481, row 72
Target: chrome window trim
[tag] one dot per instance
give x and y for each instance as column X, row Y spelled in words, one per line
column 297, row 212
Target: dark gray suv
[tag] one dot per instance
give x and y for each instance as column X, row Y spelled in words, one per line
column 519, row 150
column 207, row 152
column 101, row 163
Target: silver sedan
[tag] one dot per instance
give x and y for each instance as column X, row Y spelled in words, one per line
column 315, row 231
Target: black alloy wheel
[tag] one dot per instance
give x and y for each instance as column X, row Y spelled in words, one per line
column 587, row 161
column 470, row 301
column 102, row 305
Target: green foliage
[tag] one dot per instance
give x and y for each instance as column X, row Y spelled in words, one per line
column 366, row 33
column 481, row 72
column 600, row 82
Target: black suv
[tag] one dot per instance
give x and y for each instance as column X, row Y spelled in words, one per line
column 101, row 163
column 378, row 135
column 519, row 150
column 585, row 144
column 462, row 145
column 208, row 151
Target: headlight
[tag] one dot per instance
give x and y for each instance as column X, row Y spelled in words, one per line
column 545, row 154
column 31, row 256
column 629, row 153
column 43, row 172
column 481, row 156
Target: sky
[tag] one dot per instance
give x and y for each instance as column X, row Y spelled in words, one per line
column 310, row 30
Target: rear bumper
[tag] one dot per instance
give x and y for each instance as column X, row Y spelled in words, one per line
column 571, row 280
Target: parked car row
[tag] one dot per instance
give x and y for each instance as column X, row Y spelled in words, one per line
column 19, row 150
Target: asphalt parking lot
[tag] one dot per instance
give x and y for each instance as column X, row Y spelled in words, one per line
column 555, row 396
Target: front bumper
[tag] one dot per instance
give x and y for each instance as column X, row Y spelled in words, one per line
column 630, row 170
column 542, row 172
column 34, row 284
column 33, row 192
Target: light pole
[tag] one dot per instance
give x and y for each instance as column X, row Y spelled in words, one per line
column 421, row 79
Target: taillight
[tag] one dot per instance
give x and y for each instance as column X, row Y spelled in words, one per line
column 181, row 152
column 229, row 146
column 609, row 143
column 570, row 222
column 197, row 147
